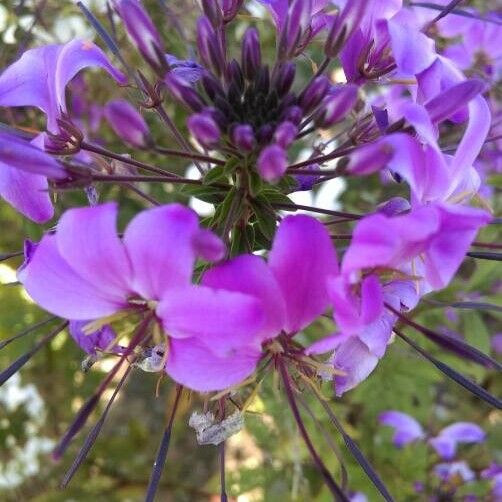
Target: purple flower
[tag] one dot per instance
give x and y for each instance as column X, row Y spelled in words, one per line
column 445, row 443
column 454, row 470
column 39, row 78
column 406, row 428
column 494, row 473
column 84, row 271
column 439, row 233
column 127, row 123
column 24, row 170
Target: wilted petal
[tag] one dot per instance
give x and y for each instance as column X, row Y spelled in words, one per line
column 222, row 320
column 302, row 258
column 159, row 243
column 407, row 429
column 57, row 287
column 249, row 274
column 28, row 193
column 87, row 238
column 192, row 364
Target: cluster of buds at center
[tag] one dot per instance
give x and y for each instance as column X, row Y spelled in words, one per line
column 247, row 108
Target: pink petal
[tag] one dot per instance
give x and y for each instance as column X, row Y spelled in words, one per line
column 87, row 237
column 223, row 320
column 26, row 192
column 159, row 243
column 302, row 257
column 57, row 287
column 249, row 274
column 192, row 364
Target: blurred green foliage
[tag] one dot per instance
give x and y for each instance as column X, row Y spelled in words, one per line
column 267, row 461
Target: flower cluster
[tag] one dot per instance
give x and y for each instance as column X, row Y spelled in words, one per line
column 220, row 302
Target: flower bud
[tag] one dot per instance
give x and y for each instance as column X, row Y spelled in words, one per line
column 293, row 114
column 369, row 158
column 230, row 9
column 204, row 129
column 314, row 93
column 235, row 74
column 251, row 53
column 184, row 92
column 212, row 86
column 209, row 46
column 336, row 105
column 298, row 22
column 143, row 33
column 272, row 163
column 127, row 123
column 243, row 137
column 213, row 12
column 344, row 25
column 285, row 78
column 285, row 134
column 305, row 182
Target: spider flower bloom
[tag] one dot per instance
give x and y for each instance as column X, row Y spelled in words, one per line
column 406, row 428
column 40, row 76
column 291, row 289
column 445, row 443
column 24, row 170
column 86, row 272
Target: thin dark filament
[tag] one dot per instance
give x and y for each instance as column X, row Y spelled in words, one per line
column 311, row 172
column 467, row 384
column 223, row 491
column 464, row 305
column 321, row 159
column 457, row 12
column 84, row 412
column 489, row 245
column 342, row 237
column 93, row 434
column 176, row 133
column 454, row 345
column 189, row 155
column 22, row 360
column 356, row 453
column 136, row 163
column 160, row 460
column 485, row 255
column 146, row 179
column 329, row 441
column 8, row 256
column 141, row 194
column 295, row 207
column 330, row 482
column 27, row 331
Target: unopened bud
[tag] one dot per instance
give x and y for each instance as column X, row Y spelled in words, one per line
column 272, row 163
column 314, row 93
column 204, row 129
column 243, row 137
column 285, row 134
column 143, row 33
column 369, row 158
column 336, row 105
column 251, row 53
column 127, row 123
